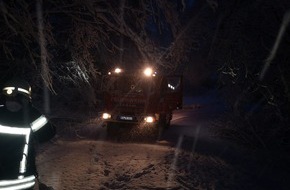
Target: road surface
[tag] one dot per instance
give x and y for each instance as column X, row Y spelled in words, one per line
column 187, row 157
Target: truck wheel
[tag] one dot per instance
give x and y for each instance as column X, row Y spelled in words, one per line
column 161, row 126
column 167, row 124
column 112, row 130
column 168, row 120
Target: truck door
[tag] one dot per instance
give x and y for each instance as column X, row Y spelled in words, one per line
column 173, row 92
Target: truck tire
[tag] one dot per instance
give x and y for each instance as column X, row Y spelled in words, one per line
column 168, row 119
column 161, row 126
column 112, row 130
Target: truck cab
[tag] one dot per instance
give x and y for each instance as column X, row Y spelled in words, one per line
column 140, row 98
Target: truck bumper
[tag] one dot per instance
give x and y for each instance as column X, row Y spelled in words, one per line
column 150, row 119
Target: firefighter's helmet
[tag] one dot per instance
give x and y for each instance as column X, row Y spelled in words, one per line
column 16, row 87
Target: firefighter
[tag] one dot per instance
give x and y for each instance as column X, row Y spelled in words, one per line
column 21, row 126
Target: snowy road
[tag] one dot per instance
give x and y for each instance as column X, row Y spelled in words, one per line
column 104, row 165
column 186, row 158
column 191, row 129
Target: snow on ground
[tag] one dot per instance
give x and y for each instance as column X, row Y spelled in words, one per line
column 105, row 165
column 91, row 165
column 187, row 158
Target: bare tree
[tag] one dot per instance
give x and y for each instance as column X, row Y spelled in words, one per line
column 68, row 44
column 82, row 31
column 245, row 38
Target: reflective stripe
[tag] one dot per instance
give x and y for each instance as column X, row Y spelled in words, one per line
column 10, row 89
column 38, row 123
column 14, row 130
column 16, row 184
column 23, row 90
column 19, row 187
column 19, row 131
column 16, row 181
column 22, row 167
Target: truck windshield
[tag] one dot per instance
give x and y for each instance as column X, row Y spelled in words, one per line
column 125, row 84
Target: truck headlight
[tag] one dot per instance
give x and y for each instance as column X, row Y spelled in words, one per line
column 118, row 70
column 149, row 119
column 106, row 116
column 148, row 72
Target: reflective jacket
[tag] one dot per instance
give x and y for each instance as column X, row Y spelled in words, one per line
column 18, row 132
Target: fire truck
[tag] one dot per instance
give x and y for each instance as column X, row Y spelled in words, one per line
column 140, row 98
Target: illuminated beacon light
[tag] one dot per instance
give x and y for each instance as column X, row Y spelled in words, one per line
column 148, row 72
column 170, row 86
column 118, row 70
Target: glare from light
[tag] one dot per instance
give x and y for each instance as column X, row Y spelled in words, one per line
column 118, row 70
column 149, row 119
column 106, row 116
column 148, row 72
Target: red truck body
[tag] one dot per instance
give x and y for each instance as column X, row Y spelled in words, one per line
column 137, row 99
